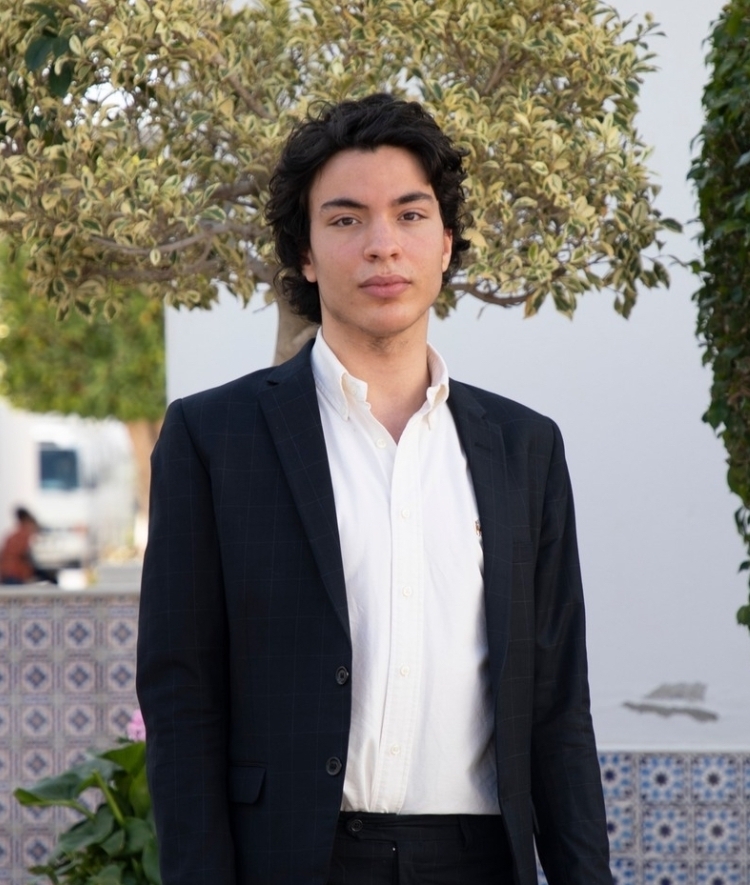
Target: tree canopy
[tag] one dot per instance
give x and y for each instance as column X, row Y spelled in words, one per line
column 721, row 173
column 88, row 366
column 137, row 139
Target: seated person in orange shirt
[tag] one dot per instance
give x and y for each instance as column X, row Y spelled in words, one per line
column 16, row 564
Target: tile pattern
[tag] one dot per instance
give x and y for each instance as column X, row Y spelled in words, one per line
column 67, row 683
column 677, row 818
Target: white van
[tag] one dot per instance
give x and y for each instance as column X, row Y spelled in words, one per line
column 76, row 477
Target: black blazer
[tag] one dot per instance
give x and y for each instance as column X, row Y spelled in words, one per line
column 244, row 652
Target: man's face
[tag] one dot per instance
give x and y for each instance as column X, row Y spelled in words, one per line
column 378, row 248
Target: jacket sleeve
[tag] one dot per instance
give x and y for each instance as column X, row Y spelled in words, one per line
column 571, row 836
column 182, row 679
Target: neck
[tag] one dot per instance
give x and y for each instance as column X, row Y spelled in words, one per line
column 396, row 373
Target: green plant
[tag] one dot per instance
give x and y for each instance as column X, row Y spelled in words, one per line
column 137, row 139
column 114, row 844
column 721, row 173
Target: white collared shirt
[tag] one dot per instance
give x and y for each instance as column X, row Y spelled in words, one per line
column 421, row 737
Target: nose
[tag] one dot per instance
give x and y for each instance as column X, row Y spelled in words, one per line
column 383, row 241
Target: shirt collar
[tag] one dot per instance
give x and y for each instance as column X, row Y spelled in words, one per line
column 343, row 391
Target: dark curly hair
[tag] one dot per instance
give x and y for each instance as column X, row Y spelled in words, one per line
column 362, row 125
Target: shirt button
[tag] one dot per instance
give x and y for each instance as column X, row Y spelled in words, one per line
column 334, row 766
column 342, row 675
column 404, row 670
column 381, row 443
column 407, row 591
column 406, row 513
column 395, row 750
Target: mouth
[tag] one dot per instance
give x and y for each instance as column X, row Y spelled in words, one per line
column 385, row 285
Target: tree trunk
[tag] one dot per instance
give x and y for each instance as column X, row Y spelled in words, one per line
column 292, row 333
column 143, row 436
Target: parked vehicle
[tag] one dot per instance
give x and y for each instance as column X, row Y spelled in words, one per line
column 76, row 476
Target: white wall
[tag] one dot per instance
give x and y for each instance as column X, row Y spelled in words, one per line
column 17, row 465
column 658, row 543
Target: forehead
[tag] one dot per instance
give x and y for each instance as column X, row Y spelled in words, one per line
column 385, row 172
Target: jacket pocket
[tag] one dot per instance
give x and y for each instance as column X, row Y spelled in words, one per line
column 245, row 783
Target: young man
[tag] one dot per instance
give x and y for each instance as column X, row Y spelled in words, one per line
column 361, row 652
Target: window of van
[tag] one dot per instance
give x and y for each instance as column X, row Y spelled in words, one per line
column 58, row 469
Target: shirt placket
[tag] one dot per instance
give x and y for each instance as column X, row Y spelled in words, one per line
column 407, row 620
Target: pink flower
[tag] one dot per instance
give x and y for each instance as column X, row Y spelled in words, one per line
column 136, row 728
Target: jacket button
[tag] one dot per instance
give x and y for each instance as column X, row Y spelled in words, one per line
column 342, row 675
column 333, row 766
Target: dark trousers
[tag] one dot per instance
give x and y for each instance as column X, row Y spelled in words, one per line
column 432, row 849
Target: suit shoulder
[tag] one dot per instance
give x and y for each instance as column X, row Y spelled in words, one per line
column 245, row 388
column 244, row 391
column 525, row 432
column 501, row 409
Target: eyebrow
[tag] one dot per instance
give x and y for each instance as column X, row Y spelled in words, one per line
column 404, row 199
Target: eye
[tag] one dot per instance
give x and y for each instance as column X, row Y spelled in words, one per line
column 344, row 221
column 412, row 215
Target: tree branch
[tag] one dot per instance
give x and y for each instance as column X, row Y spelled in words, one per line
column 246, row 188
column 263, row 272
column 490, row 297
column 173, row 246
column 252, row 103
column 495, row 78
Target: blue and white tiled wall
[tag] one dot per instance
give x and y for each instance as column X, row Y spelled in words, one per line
column 67, row 683
column 678, row 818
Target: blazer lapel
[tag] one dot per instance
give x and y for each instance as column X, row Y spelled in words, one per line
column 485, row 453
column 290, row 405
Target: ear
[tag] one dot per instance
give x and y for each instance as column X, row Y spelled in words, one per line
column 308, row 268
column 447, row 248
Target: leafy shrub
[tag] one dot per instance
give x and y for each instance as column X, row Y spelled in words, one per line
column 115, row 844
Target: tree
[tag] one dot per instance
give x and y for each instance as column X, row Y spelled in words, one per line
column 91, row 366
column 137, row 139
column 722, row 177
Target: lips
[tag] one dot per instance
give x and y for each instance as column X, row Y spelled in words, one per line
column 385, row 285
